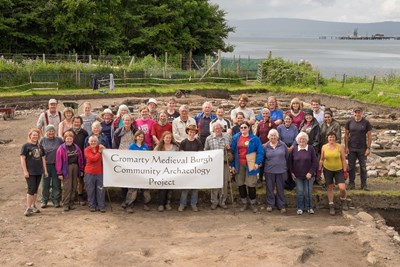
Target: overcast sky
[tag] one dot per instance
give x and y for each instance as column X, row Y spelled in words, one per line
column 325, row 10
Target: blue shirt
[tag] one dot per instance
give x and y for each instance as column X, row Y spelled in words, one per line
column 134, row 146
column 276, row 114
column 287, row 135
column 276, row 160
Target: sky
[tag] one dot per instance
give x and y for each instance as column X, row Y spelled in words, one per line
column 360, row 11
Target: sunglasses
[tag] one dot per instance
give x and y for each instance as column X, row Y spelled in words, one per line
column 244, row 127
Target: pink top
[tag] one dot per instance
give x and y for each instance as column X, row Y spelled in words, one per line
column 145, row 126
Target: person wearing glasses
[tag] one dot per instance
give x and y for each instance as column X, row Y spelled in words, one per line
column 247, row 148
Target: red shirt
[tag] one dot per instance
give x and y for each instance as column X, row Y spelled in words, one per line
column 242, row 145
column 157, row 130
column 94, row 161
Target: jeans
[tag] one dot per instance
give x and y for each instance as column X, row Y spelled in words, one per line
column 304, row 193
column 52, row 182
column 95, row 190
column 362, row 160
column 184, row 196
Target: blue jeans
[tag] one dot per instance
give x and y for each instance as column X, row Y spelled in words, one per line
column 362, row 160
column 304, row 193
column 184, row 196
column 52, row 182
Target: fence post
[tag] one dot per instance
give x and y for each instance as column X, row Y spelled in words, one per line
column 125, row 77
column 44, row 58
column 317, row 81
column 180, row 61
column 76, row 69
column 343, row 80
column 190, row 60
column 373, row 83
column 219, row 63
column 165, row 65
column 90, row 60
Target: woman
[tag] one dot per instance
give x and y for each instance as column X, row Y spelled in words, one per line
column 107, row 125
column 33, row 165
column 101, row 137
column 167, row 143
column 118, row 121
column 69, row 166
column 296, row 111
column 94, row 175
column 191, row 143
column 172, row 113
column 240, row 120
column 66, row 124
column 88, row 117
column 311, row 127
column 138, row 144
column 303, row 164
column 247, row 149
column 145, row 123
column 51, row 143
column 275, row 160
column 329, row 125
column 333, row 162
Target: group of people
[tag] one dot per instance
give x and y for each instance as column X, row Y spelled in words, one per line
column 286, row 149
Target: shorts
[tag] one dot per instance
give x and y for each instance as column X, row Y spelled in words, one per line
column 330, row 175
column 243, row 179
column 33, row 183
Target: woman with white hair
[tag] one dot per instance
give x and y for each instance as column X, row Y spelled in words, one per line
column 303, row 165
column 275, row 160
column 118, row 122
column 101, row 137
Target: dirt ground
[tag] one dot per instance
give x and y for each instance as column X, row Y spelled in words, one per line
column 206, row 238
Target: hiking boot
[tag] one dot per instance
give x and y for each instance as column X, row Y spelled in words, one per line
column 71, row 207
column 269, row 209
column 92, row 209
column 244, row 204
column 365, row 188
column 28, row 212
column 161, row 208
column 214, row 206
column 129, row 209
column 181, row 208
column 168, row 207
column 145, row 207
column 103, row 210
column 194, row 208
column 66, row 208
column 299, row 212
column 57, row 205
column 123, row 205
column 81, row 200
column 253, row 206
column 223, row 206
column 44, row 205
column 344, row 204
column 310, row 211
column 351, row 187
column 332, row 209
column 34, row 209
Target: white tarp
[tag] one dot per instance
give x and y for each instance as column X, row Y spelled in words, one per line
column 163, row 169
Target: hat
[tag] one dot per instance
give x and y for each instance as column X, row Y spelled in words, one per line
column 308, row 112
column 357, row 109
column 52, row 101
column 50, row 127
column 107, row 111
column 152, row 100
column 191, row 127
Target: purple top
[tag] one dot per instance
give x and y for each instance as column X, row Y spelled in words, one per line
column 303, row 161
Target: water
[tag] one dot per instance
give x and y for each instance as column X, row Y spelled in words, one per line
column 331, row 56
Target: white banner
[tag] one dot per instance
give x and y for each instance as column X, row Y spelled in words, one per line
column 163, row 169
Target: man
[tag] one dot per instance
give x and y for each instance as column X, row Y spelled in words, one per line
column 219, row 140
column 145, row 123
column 358, row 146
column 80, row 135
column 161, row 126
column 50, row 116
column 248, row 113
column 226, row 124
column 179, row 124
column 318, row 112
column 152, row 105
column 203, row 120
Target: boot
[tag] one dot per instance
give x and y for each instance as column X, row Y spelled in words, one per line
column 81, row 200
column 253, row 205
column 332, row 209
column 344, row 204
column 244, row 204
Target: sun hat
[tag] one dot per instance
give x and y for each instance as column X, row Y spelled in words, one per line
column 191, row 127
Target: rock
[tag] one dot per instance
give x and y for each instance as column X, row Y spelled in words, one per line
column 392, row 172
column 340, row 230
column 398, row 174
column 365, row 217
column 371, row 258
column 306, row 254
column 29, row 264
column 372, row 173
column 376, row 146
column 390, row 132
column 396, row 239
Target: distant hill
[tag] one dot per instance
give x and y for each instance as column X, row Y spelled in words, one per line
column 284, row 27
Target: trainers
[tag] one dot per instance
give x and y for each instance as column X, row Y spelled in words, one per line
column 129, row 209
column 269, row 209
column 161, row 208
column 310, row 211
column 103, row 210
column 194, row 208
column 254, row 208
column 181, row 207
column 34, row 209
column 28, row 212
column 214, row 206
column 57, row 205
column 123, row 205
column 299, row 212
column 345, row 206
column 283, row 210
column 223, row 206
column 146, row 208
column 244, row 207
column 365, row 188
column 44, row 205
column 332, row 209
column 168, row 207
